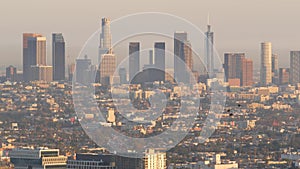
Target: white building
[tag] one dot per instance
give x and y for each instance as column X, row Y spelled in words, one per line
column 42, row 158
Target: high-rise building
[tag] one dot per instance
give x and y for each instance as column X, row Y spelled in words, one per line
column 105, row 38
column 179, row 39
column 183, row 62
column 233, row 65
column 284, row 76
column 37, row 158
column 11, row 73
column 41, row 73
column 266, row 64
column 238, row 68
column 160, row 56
column 58, row 56
column 275, row 69
column 71, row 71
column 107, row 60
column 247, row 72
column 107, row 68
column 123, row 75
column 134, row 59
column 209, row 49
column 83, row 70
column 151, row 57
column 188, row 56
column 152, row 160
column 34, row 52
column 37, row 50
column 294, row 67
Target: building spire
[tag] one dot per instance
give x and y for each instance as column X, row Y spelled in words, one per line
column 208, row 23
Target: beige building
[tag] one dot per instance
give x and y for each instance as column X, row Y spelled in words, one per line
column 107, row 68
column 41, row 73
column 155, row 160
column 266, row 64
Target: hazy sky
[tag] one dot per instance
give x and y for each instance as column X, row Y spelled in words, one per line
column 239, row 25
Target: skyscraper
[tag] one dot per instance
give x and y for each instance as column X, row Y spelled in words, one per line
column 58, row 56
column 159, row 50
column 247, row 72
column 105, row 38
column 209, row 49
column 107, row 60
column 34, row 52
column 266, row 64
column 182, row 57
column 236, row 66
column 233, row 66
column 134, row 59
column 151, row 57
column 11, row 72
column 188, row 55
column 83, row 70
column 294, row 67
column 37, row 50
column 275, row 69
column 107, row 68
column 123, row 75
column 41, row 73
column 284, row 76
column 188, row 58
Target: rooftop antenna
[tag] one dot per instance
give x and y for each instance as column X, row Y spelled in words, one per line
column 208, row 23
column 208, row 19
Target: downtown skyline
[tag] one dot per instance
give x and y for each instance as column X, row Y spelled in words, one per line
column 248, row 27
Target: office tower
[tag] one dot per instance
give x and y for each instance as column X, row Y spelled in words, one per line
column 31, row 52
column 71, row 70
column 107, row 60
column 134, row 59
column 160, row 56
column 188, row 58
column 179, row 39
column 275, row 69
column 37, row 158
column 233, row 65
column 238, row 69
column 37, row 50
column 83, row 70
column 92, row 160
column 107, row 68
column 209, row 49
column 183, row 61
column 151, row 57
column 294, row 67
column 266, row 64
column 247, row 72
column 41, row 73
column 123, row 75
column 284, row 76
column 58, row 56
column 11, row 73
column 105, row 38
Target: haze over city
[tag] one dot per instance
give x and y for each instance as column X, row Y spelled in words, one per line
column 134, row 84
column 239, row 26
